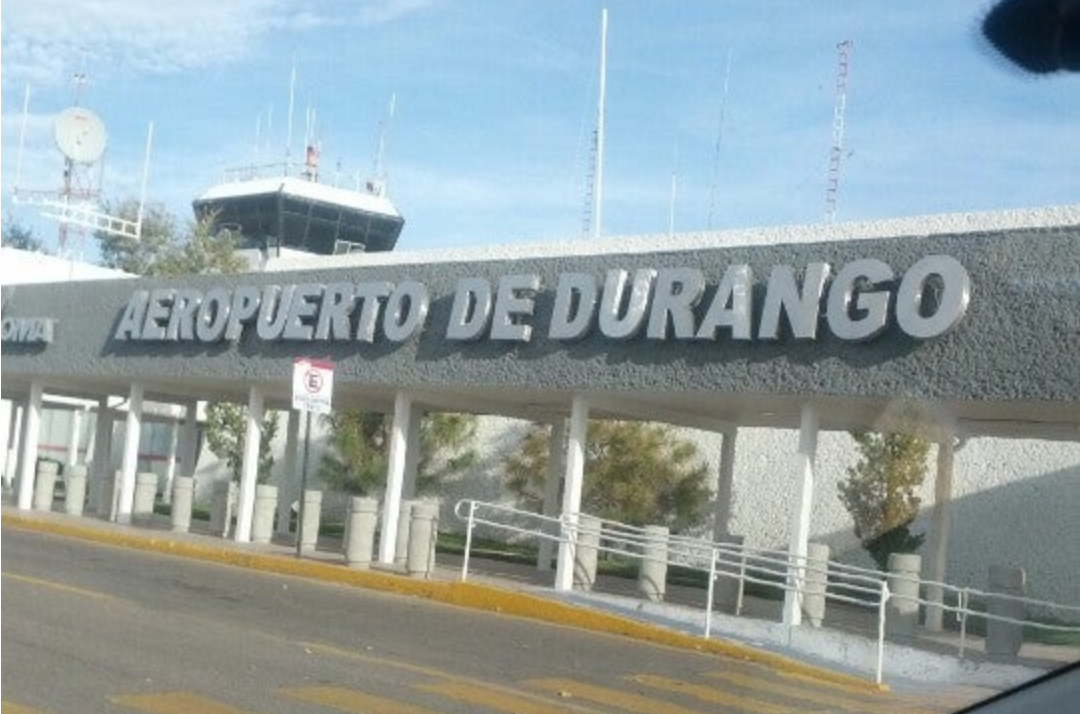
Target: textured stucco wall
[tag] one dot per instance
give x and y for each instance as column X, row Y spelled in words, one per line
column 1014, row 502
column 1024, row 294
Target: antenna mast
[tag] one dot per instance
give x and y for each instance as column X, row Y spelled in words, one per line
column 833, row 179
column 674, row 187
column 719, row 136
column 289, row 125
column 377, row 185
column 595, row 178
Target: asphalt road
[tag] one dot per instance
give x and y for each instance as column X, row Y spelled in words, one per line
column 91, row 629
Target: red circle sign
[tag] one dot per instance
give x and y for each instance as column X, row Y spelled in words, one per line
column 313, row 381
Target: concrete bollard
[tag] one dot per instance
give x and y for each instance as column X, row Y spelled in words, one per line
column 404, row 523
column 262, row 520
column 221, row 508
column 585, row 554
column 360, row 531
column 902, row 610
column 45, row 485
column 312, row 505
column 142, row 508
column 727, row 591
column 652, row 573
column 815, row 583
column 74, row 490
column 183, row 497
column 423, row 530
column 1003, row 639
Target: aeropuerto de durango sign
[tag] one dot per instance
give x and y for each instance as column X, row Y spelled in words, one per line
column 859, row 300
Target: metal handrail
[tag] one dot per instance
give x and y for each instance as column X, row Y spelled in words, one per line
column 752, row 565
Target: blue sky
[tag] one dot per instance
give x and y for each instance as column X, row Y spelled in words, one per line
column 495, row 103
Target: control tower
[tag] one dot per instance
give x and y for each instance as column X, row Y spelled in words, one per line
column 278, row 207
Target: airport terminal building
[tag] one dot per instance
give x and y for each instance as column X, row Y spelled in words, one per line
column 770, row 344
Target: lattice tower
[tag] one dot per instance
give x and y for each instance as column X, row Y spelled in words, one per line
column 832, row 185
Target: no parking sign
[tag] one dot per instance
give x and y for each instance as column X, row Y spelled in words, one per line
column 313, row 385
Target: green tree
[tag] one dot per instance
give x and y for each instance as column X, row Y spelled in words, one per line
column 357, row 460
column 880, row 492
column 163, row 248
column 16, row 235
column 360, row 443
column 635, row 473
column 226, row 425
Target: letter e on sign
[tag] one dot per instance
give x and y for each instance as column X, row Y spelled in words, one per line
column 313, row 385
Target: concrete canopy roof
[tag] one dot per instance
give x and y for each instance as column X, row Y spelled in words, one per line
column 1009, row 368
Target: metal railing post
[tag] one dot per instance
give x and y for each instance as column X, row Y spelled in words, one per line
column 742, row 582
column 468, row 541
column 961, row 614
column 881, row 631
column 710, row 592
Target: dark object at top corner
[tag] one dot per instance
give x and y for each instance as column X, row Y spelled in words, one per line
column 1040, row 36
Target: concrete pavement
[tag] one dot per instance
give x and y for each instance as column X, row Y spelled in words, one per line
column 518, row 590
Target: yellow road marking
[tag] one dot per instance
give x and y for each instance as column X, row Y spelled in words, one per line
column 711, row 695
column 320, row 648
column 492, row 699
column 847, row 683
column 13, row 708
column 330, row 650
column 175, row 703
column 610, row 697
column 352, row 701
column 58, row 586
column 810, row 692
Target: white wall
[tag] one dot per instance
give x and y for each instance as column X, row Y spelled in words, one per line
column 1015, row 502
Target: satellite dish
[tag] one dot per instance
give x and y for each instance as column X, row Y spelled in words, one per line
column 80, row 135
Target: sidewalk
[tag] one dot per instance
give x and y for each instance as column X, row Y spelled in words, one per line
column 844, row 650
column 846, row 642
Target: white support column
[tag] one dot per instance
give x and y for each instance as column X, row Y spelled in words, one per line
column 11, row 442
column 91, row 437
column 572, row 484
column 249, row 469
column 29, row 445
column 552, row 485
column 725, row 487
column 188, row 449
column 939, row 532
column 412, row 454
column 395, row 475
column 130, row 463
column 74, row 438
column 289, row 480
column 170, row 463
column 799, row 533
column 101, row 477
column 7, row 414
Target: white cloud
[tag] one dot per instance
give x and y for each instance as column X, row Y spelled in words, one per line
column 375, row 12
column 45, row 41
column 45, row 36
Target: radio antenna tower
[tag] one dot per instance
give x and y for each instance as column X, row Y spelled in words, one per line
column 832, row 185
column 81, row 139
